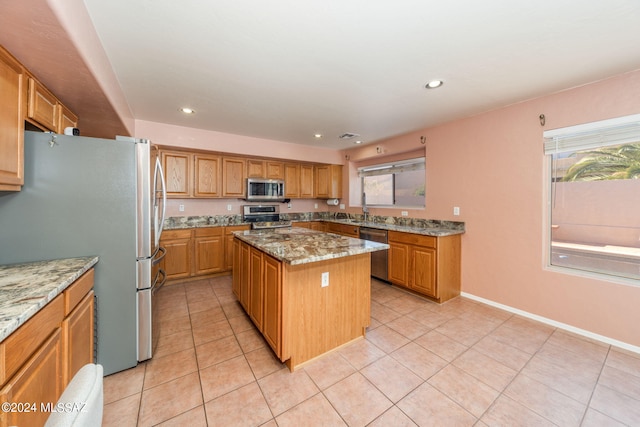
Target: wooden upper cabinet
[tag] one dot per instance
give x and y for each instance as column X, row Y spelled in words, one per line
column 177, row 173
column 12, row 85
column 292, row 180
column 255, row 168
column 306, row 181
column 233, row 177
column 42, row 106
column 66, row 119
column 274, row 170
column 207, row 176
column 328, row 181
column 269, row 169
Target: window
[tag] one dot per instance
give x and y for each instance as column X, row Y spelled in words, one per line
column 399, row 184
column 595, row 197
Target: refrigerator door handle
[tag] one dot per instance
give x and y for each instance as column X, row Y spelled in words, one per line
column 160, row 226
column 157, row 259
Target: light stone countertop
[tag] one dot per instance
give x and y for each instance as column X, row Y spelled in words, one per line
column 26, row 288
column 301, row 245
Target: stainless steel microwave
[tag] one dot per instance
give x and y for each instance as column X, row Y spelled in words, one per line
column 261, row 190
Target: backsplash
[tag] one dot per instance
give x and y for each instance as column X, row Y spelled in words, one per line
column 223, row 220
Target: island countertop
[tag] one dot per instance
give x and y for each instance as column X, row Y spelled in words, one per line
column 301, row 245
column 26, row 288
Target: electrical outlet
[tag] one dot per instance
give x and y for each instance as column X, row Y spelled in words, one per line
column 342, row 206
column 404, row 213
column 325, row 279
column 456, row 210
column 181, row 207
column 289, row 205
column 228, row 207
column 315, row 206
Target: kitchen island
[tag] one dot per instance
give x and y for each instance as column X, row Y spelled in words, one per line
column 308, row 292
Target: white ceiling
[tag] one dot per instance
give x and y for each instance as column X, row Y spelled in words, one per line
column 286, row 69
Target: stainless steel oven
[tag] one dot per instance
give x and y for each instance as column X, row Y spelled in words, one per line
column 263, row 216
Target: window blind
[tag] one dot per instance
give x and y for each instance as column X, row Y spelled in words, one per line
column 395, row 167
column 621, row 130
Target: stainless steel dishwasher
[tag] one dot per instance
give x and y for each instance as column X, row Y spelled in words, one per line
column 378, row 258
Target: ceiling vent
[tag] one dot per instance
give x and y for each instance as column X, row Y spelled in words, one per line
column 348, row 135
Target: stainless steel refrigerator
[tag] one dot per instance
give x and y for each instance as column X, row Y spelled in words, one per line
column 88, row 196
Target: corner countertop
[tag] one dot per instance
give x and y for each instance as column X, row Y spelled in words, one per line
column 301, row 245
column 26, row 288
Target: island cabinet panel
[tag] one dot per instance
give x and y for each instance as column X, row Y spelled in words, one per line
column 426, row 264
column 236, row 277
column 245, row 267
column 273, row 304
column 319, row 319
column 228, row 244
column 256, row 289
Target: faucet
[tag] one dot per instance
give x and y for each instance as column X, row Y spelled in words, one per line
column 365, row 209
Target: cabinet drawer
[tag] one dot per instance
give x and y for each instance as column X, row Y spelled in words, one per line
column 231, row 228
column 74, row 293
column 176, row 234
column 209, row 231
column 18, row 346
column 344, row 229
column 413, row 239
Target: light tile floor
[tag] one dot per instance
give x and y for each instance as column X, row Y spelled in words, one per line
column 460, row 363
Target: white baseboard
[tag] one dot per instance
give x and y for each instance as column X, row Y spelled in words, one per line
column 560, row 325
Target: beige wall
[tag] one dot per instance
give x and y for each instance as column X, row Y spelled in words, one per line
column 492, row 166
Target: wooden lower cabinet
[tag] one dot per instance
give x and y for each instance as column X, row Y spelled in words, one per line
column 177, row 261
column 77, row 337
column 425, row 264
column 197, row 252
column 208, row 250
column 38, row 382
column 299, row 319
column 398, row 271
column 39, row 359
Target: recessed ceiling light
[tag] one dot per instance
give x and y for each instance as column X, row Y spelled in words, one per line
column 434, row 84
column 187, row 110
column 358, row 142
column 317, row 135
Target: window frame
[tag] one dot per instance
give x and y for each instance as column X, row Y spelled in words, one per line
column 611, row 132
column 393, row 168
